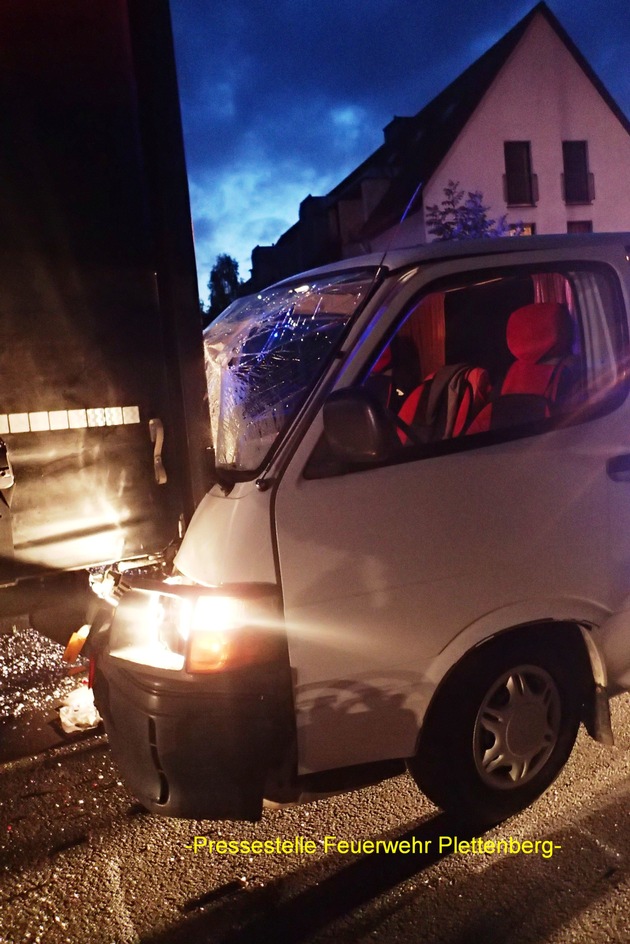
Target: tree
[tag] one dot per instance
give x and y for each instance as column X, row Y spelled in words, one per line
column 459, row 218
column 224, row 285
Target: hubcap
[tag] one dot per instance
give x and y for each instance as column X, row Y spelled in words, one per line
column 517, row 727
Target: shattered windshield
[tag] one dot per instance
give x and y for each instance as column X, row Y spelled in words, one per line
column 265, row 353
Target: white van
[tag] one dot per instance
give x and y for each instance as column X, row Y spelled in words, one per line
column 417, row 549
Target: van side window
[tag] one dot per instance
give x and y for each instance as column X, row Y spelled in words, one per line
column 516, row 352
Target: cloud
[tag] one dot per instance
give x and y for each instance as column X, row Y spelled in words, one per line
column 252, row 204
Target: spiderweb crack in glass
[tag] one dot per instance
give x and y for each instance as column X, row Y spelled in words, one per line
column 265, row 354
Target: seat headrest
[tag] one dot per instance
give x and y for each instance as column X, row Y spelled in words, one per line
column 540, row 330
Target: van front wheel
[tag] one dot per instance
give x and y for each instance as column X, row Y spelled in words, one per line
column 501, row 728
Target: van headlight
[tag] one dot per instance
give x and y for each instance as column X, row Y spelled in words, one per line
column 195, row 630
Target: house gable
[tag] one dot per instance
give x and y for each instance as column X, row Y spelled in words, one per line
column 533, row 86
column 542, row 95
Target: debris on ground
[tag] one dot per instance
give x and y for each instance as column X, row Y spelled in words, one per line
column 33, row 675
column 34, row 684
column 78, row 711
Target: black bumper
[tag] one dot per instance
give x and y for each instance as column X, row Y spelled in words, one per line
column 200, row 748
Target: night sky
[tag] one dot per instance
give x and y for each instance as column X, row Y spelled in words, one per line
column 283, row 99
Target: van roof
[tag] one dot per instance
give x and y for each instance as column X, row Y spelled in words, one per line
column 442, row 250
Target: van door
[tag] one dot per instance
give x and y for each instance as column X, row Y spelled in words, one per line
column 491, row 512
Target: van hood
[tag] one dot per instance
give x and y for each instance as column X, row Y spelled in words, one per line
column 229, row 539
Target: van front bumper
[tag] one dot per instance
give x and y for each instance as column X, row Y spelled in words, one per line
column 199, row 748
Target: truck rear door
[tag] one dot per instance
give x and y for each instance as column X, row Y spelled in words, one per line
column 101, row 374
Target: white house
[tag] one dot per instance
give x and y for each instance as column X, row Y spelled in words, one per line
column 529, row 124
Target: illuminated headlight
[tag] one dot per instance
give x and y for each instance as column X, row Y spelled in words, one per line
column 215, row 630
column 196, row 631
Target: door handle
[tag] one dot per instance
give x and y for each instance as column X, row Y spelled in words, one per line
column 6, row 471
column 618, row 468
column 156, row 430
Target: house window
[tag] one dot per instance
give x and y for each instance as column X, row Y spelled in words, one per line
column 522, row 229
column 577, row 183
column 519, row 184
column 580, row 226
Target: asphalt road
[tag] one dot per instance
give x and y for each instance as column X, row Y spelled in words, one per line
column 81, row 862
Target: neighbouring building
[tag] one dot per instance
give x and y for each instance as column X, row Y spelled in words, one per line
column 529, row 124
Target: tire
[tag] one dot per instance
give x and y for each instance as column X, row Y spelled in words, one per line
column 502, row 725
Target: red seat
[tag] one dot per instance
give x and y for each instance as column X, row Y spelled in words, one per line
column 443, row 405
column 539, row 336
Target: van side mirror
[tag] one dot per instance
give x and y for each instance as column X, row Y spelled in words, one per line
column 358, row 428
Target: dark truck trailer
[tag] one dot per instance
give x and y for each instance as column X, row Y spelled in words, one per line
column 102, row 410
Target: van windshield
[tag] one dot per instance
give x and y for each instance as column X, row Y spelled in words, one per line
column 265, row 353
